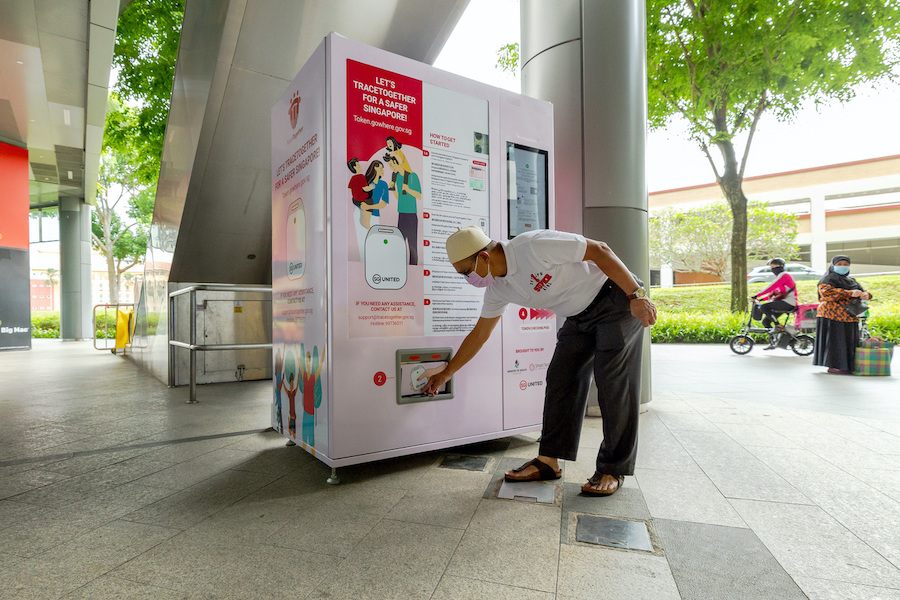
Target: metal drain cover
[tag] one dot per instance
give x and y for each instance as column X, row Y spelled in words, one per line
column 616, row 533
column 465, row 462
column 528, row 491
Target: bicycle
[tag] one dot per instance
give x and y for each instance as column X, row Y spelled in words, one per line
column 781, row 335
column 863, row 327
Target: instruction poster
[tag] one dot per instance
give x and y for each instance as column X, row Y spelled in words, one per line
column 298, row 261
column 417, row 169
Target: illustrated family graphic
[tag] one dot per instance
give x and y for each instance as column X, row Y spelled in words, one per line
column 371, row 191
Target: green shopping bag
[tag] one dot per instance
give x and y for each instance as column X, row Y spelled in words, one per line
column 873, row 357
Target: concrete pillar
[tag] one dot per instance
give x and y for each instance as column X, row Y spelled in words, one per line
column 589, row 59
column 75, row 269
column 818, row 247
column 666, row 276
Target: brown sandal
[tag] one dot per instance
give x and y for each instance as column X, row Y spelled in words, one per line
column 544, row 472
column 595, row 480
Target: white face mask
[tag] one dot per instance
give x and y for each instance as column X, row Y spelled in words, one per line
column 477, row 280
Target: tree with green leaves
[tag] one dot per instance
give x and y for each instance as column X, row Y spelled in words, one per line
column 508, row 58
column 146, row 50
column 137, row 109
column 699, row 239
column 122, row 242
column 721, row 66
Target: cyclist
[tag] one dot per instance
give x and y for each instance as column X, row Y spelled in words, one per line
column 782, row 294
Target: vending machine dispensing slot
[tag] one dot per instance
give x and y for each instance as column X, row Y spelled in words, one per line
column 414, row 367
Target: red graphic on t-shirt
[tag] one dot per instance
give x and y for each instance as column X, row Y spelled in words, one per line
column 543, row 282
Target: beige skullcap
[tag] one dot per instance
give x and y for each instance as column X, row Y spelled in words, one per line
column 465, row 242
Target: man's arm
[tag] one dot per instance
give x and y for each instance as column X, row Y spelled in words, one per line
column 467, row 350
column 779, row 284
column 603, row 256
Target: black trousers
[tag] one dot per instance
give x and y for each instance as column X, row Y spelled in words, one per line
column 607, row 339
column 771, row 310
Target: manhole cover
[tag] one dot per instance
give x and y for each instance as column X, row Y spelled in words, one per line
column 616, row 533
column 462, row 461
column 528, row 491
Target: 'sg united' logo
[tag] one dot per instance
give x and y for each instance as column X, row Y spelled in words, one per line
column 294, row 109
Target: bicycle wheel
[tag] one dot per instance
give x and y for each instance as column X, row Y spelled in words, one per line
column 864, row 328
column 803, row 345
column 741, row 344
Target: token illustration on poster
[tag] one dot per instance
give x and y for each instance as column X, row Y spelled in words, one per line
column 296, row 240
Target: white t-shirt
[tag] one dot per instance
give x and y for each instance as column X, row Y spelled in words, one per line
column 545, row 269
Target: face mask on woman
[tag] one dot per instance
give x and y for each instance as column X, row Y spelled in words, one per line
column 476, row 279
column 841, row 269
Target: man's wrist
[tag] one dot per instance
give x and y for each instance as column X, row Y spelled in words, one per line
column 639, row 294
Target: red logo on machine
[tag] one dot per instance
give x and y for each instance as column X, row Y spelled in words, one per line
column 535, row 313
column 294, row 109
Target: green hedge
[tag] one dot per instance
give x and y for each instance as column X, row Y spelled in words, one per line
column 699, row 314
column 46, row 325
column 692, row 328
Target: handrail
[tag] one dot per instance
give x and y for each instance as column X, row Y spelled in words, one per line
column 106, row 324
column 193, row 346
column 221, row 287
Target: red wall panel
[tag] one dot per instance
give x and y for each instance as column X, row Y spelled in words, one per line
column 13, row 196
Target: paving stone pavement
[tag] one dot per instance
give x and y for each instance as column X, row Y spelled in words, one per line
column 758, row 476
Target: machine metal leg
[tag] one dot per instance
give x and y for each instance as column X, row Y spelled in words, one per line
column 334, row 479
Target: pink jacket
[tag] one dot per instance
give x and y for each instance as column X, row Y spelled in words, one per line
column 782, row 283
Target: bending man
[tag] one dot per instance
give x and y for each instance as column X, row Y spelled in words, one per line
column 606, row 308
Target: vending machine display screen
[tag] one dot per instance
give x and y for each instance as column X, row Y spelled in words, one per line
column 527, row 186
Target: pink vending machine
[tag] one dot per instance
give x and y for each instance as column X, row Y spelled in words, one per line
column 376, row 159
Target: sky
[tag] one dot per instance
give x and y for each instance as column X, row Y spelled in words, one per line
column 865, row 127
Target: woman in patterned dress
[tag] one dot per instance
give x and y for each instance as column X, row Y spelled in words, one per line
column 837, row 331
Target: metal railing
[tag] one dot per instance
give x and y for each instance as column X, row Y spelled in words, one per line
column 106, row 337
column 193, row 346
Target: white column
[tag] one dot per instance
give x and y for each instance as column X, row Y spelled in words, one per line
column 818, row 251
column 666, row 276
